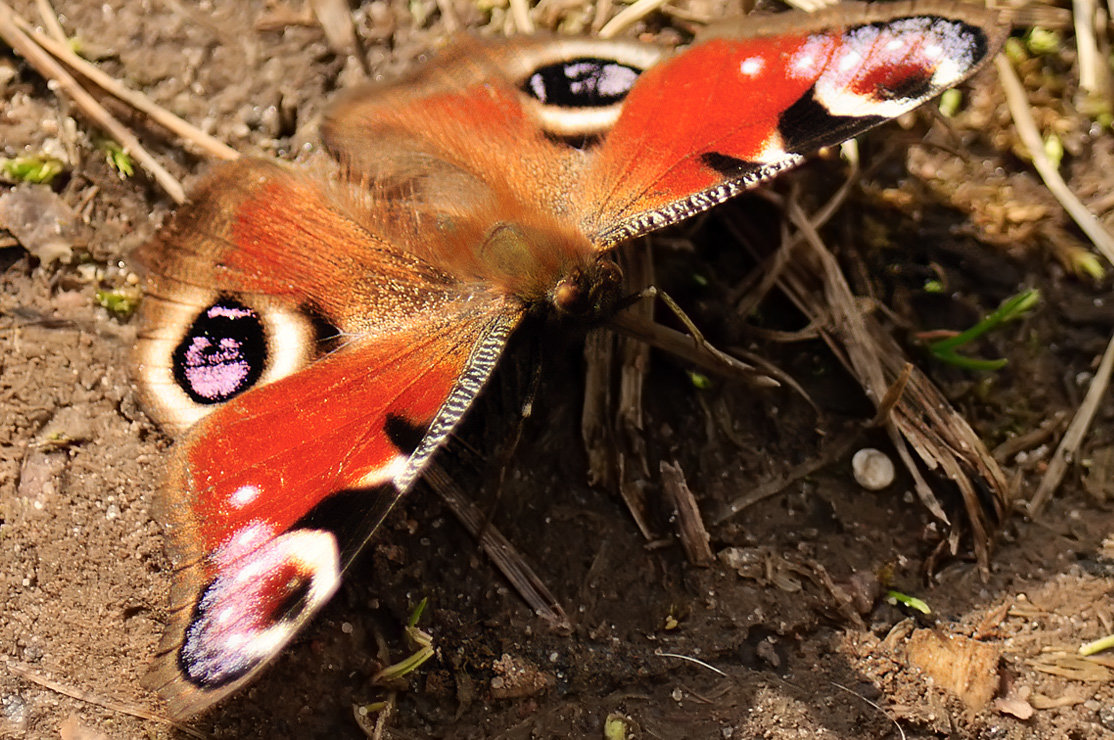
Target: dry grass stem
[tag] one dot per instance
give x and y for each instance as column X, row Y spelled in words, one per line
column 48, row 683
column 1077, row 430
column 520, row 13
column 881, row 711
column 210, row 145
column 702, row 355
column 1092, row 65
column 1018, row 103
column 835, row 450
column 690, row 525
column 503, row 554
column 335, row 19
column 595, row 418
column 634, row 364
column 628, row 16
column 922, row 419
column 38, row 58
column 50, row 20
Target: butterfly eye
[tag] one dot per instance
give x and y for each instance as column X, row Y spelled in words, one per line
column 588, row 293
column 222, row 354
column 581, row 83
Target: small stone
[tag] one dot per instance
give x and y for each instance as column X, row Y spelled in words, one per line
column 872, row 468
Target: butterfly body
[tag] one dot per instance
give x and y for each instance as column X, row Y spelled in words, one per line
column 314, row 336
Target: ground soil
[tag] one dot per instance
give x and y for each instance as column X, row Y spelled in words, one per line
column 785, row 635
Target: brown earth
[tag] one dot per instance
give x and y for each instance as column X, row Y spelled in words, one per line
column 794, row 639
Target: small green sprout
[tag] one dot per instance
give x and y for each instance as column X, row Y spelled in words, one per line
column 122, row 301
column 1010, row 309
column 417, row 613
column 1015, row 50
column 617, row 727
column 1054, row 150
column 1097, row 646
column 421, row 642
column 700, row 381
column 117, row 158
column 896, row 597
column 1043, row 41
column 1086, row 262
column 33, row 168
column 950, row 102
column 933, row 286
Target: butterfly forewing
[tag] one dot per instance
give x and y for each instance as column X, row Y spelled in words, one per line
column 748, row 100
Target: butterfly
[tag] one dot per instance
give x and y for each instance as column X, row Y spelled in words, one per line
column 314, row 334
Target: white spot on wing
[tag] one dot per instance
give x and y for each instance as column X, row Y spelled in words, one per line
column 237, row 628
column 943, row 49
column 804, row 64
column 385, row 474
column 244, row 495
column 752, row 66
column 849, row 61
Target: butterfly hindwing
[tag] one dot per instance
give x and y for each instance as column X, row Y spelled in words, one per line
column 632, row 137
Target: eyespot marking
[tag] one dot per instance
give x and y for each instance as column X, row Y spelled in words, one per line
column 222, row 354
column 585, row 82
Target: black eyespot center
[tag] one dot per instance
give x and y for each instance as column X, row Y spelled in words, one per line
column 585, row 82
column 222, row 354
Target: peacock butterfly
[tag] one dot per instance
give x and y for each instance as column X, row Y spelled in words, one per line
column 315, row 336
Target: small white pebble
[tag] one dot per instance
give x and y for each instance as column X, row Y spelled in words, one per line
column 873, row 469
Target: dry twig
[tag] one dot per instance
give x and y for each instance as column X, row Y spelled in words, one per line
column 1077, row 430
column 628, row 16
column 184, row 130
column 690, row 526
column 112, row 706
column 46, row 65
column 1027, row 131
column 502, row 553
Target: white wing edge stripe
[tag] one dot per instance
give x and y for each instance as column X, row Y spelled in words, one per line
column 482, row 361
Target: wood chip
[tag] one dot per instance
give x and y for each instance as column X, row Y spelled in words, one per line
column 967, row 668
column 690, row 525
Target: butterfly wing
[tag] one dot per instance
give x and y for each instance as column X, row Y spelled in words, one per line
column 750, row 98
column 626, row 138
column 316, row 365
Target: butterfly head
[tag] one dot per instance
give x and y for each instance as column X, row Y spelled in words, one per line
column 589, row 291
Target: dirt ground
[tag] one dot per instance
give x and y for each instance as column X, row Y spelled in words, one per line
column 786, row 635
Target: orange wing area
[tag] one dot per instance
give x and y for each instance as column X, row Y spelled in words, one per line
column 464, row 113
column 254, row 226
